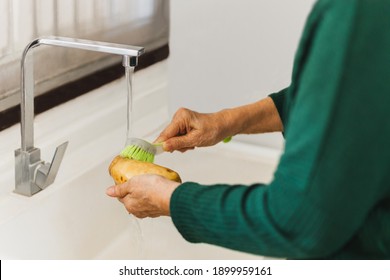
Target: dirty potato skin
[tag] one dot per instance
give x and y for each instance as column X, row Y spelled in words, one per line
column 122, row 169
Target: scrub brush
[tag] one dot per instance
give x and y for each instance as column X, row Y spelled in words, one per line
column 142, row 150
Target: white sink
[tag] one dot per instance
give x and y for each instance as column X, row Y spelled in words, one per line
column 78, row 221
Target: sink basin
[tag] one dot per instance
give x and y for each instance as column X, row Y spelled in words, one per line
column 78, row 221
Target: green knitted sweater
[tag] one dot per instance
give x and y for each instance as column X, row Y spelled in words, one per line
column 330, row 196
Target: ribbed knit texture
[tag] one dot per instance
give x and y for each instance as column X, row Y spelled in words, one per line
column 330, row 197
column 279, row 100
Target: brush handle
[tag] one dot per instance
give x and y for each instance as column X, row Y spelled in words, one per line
column 227, row 139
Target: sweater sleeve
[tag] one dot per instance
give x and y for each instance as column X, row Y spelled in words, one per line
column 321, row 196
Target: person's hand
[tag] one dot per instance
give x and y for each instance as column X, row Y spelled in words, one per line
column 189, row 129
column 145, row 195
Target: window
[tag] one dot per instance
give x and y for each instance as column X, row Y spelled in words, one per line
column 135, row 22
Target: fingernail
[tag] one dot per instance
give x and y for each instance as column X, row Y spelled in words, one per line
column 111, row 191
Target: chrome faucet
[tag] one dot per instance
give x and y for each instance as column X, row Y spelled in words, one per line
column 31, row 173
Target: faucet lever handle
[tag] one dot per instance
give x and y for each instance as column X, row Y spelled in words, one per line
column 47, row 172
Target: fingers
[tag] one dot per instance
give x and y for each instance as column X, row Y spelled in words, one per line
column 181, row 133
column 189, row 129
column 137, row 208
column 133, row 204
column 180, row 143
column 174, row 135
column 173, row 129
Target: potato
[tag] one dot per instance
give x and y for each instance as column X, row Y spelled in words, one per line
column 122, row 169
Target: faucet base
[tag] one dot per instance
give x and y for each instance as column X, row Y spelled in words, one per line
column 26, row 163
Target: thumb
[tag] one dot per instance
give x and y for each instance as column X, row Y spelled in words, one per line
column 119, row 191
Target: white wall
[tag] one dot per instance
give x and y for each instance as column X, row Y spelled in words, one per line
column 226, row 53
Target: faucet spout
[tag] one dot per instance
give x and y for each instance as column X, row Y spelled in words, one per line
column 31, row 173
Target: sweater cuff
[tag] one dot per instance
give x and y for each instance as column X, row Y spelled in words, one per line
column 180, row 214
column 279, row 100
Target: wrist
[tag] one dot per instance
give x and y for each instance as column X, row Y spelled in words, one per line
column 229, row 123
column 234, row 121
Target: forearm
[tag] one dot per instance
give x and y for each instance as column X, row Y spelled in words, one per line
column 259, row 117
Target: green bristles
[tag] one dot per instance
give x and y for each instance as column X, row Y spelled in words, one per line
column 137, row 153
